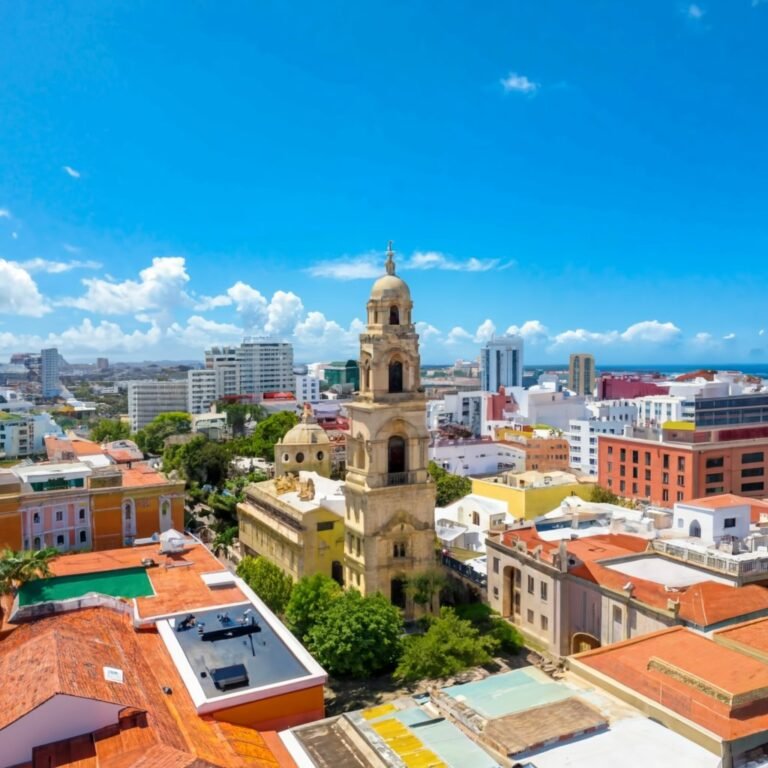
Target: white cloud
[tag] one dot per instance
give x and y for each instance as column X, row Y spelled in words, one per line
column 283, row 313
column 69, row 170
column 15, row 235
column 582, row 336
column 317, row 335
column 704, row 338
column 729, row 336
column 457, row 335
column 485, row 331
column 159, row 289
column 516, row 83
column 365, row 266
column 56, row 267
column 199, row 332
column 5, row 213
column 19, row 294
column 73, row 249
column 426, row 332
column 761, row 332
column 204, row 303
column 651, row 331
column 371, row 265
column 695, row 12
column 533, row 331
column 106, row 336
column 251, row 305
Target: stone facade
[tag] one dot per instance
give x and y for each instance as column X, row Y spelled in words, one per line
column 390, row 499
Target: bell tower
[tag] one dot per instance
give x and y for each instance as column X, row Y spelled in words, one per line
column 390, row 498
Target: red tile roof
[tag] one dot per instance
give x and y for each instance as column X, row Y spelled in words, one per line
column 721, row 501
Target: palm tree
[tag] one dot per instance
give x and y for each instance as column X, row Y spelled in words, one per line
column 17, row 568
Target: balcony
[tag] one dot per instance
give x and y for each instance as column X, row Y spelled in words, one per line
column 400, row 478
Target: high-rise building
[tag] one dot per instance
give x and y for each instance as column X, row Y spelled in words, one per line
column 581, row 374
column 147, row 399
column 202, row 389
column 102, row 363
column 501, row 363
column 49, row 373
column 390, row 527
column 253, row 368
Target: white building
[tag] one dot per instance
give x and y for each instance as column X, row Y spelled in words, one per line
column 225, row 362
column 12, row 401
column 17, row 435
column 654, row 410
column 147, row 399
column 605, row 417
column 476, row 456
column 307, row 389
column 547, row 404
column 202, row 390
column 254, row 367
column 49, row 372
column 501, row 363
column 713, row 520
column 465, row 523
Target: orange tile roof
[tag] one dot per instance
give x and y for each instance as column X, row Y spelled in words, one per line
column 65, row 653
column 752, row 635
column 177, row 588
column 140, row 474
column 720, row 501
column 55, row 446
column 722, row 690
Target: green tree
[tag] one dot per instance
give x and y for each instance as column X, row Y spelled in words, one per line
column 602, row 495
column 450, row 645
column 17, row 568
column 269, row 431
column 357, row 636
column 267, row 581
column 310, row 599
column 424, row 586
column 107, row 430
column 224, row 538
column 151, row 438
column 200, row 460
column 449, row 487
column 239, row 413
column 488, row 622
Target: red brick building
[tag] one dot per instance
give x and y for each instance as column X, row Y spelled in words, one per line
column 685, row 464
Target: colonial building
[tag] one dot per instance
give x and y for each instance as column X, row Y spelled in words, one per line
column 305, row 447
column 390, row 531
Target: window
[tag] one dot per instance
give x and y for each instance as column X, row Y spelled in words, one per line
column 622, row 486
column 81, row 513
column 59, row 541
column 164, row 509
column 712, row 491
column 496, row 592
column 715, row 462
column 752, row 458
column 299, row 457
column 622, row 471
column 623, row 454
column 681, row 479
column 665, row 461
column 753, row 472
column 398, row 550
column 83, row 537
column 475, row 518
column 529, row 616
column 495, row 564
column 752, row 486
column 634, row 488
column 715, row 477
column 634, row 473
column 394, row 316
column 647, row 458
column 396, row 455
column 59, row 516
column 647, row 474
column 320, row 455
column 610, row 450
column 544, row 623
column 326, row 525
column 37, row 542
column 531, row 585
column 681, row 463
column 679, row 496
column 357, row 546
column 647, row 491
column 610, row 466
column 665, row 478
column 635, row 457
column 395, row 376
column 128, row 512
column 665, row 495
column 36, row 518
column 543, row 587
column 729, row 522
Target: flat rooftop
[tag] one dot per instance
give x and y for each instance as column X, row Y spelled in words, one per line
column 177, row 580
column 664, row 571
column 235, row 649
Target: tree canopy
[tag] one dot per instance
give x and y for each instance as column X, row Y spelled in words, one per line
column 450, row 645
column 107, row 430
column 200, row 460
column 239, row 413
column 357, row 636
column 602, row 495
column 17, row 568
column 268, row 431
column 449, row 487
column 267, row 580
column 151, row 438
column 310, row 599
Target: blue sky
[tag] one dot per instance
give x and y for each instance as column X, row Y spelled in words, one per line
column 589, row 174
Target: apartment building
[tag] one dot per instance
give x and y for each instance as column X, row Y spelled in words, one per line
column 501, row 363
column 202, row 390
column 581, row 374
column 49, row 372
column 254, row 367
column 148, row 399
column 605, row 417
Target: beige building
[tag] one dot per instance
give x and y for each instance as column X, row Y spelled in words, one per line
column 581, row 374
column 390, row 530
column 295, row 522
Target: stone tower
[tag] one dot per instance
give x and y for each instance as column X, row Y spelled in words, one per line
column 390, row 498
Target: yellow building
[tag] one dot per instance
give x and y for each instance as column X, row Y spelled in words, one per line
column 295, row 522
column 305, row 447
column 531, row 494
column 70, row 506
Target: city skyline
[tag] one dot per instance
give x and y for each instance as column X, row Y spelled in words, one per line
column 175, row 179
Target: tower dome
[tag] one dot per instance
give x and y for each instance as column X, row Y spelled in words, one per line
column 390, row 302
column 304, row 447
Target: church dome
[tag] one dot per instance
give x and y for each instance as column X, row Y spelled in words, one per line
column 390, row 287
column 305, row 434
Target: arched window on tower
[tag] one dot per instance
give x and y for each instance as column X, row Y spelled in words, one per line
column 396, row 457
column 394, row 316
column 395, row 376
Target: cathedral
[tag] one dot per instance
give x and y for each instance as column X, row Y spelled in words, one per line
column 390, row 498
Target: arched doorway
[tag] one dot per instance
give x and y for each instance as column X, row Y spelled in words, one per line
column 395, row 376
column 337, row 572
column 397, row 592
column 396, row 455
column 694, row 529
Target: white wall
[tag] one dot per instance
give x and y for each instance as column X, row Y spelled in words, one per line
column 61, row 717
column 475, row 458
column 712, row 521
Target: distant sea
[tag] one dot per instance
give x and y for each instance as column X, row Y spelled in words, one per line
column 755, row 369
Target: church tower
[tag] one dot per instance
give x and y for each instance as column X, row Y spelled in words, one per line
column 390, row 498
